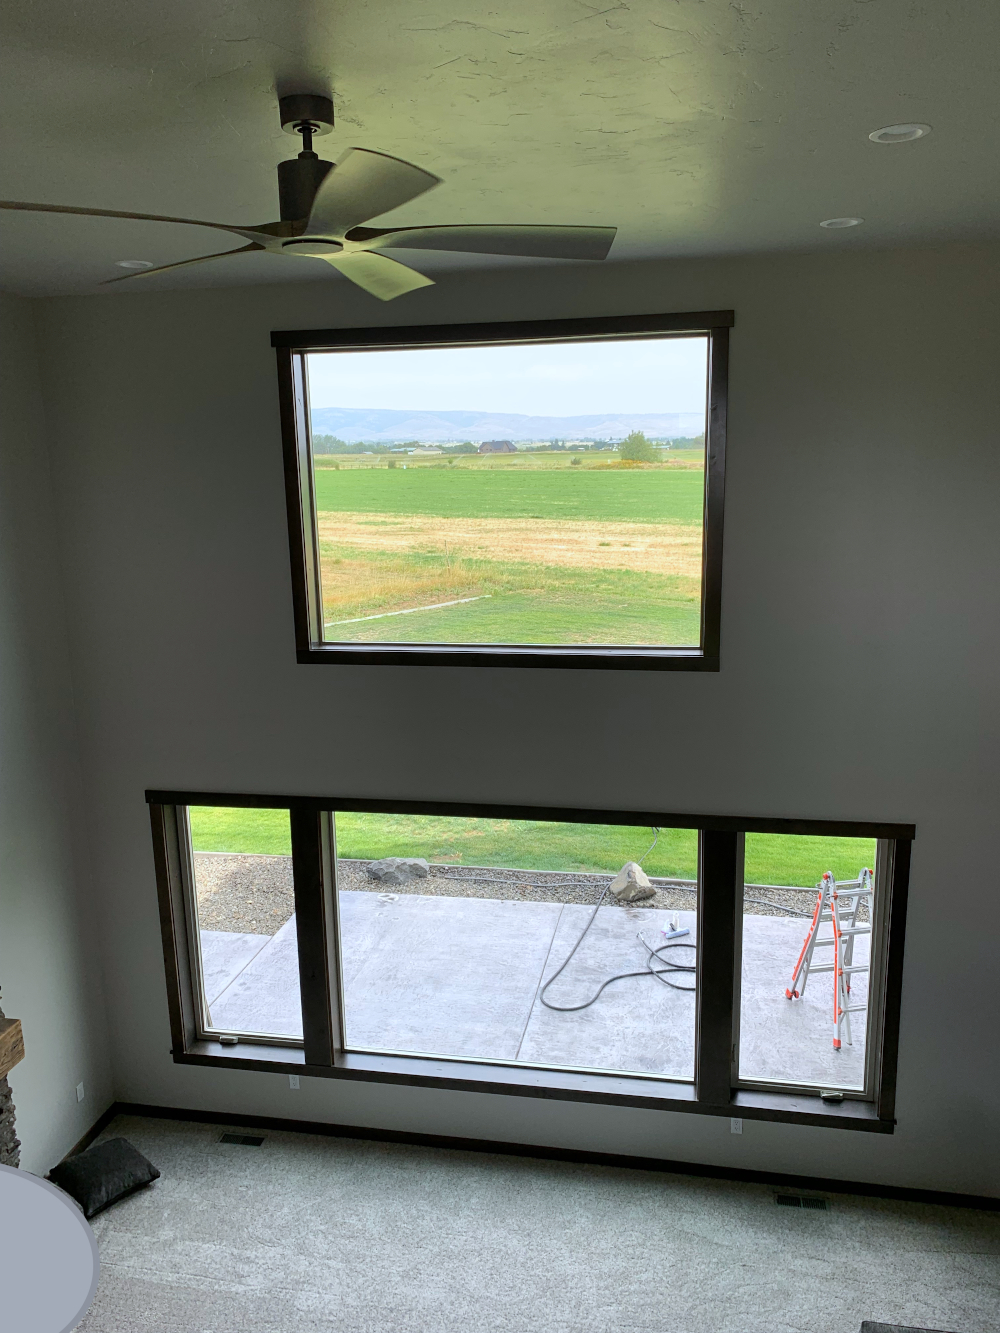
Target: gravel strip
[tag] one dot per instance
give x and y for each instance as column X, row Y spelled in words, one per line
column 244, row 894
column 253, row 894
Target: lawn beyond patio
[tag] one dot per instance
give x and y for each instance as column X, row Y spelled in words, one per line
column 532, row 845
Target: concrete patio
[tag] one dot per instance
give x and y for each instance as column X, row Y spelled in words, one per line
column 461, row 977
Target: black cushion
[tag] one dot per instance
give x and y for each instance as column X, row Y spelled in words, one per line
column 103, row 1174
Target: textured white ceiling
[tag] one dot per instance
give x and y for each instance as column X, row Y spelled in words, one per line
column 695, row 126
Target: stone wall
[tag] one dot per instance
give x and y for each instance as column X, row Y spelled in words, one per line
column 10, row 1145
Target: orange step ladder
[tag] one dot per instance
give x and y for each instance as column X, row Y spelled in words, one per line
column 839, row 906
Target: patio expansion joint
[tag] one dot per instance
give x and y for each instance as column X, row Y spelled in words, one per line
column 541, row 977
column 268, row 939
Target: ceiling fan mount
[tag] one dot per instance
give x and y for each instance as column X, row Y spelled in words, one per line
column 301, row 110
column 324, row 209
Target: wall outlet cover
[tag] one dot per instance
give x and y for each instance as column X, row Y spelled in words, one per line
column 79, row 1092
column 293, row 1081
column 736, row 1126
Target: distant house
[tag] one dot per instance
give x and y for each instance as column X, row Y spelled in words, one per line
column 497, row 447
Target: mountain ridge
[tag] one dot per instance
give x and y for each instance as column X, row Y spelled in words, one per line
column 353, row 424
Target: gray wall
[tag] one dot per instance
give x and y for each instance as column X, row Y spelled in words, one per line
column 50, row 966
column 859, row 649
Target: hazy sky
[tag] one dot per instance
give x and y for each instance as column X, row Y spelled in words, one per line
column 561, row 379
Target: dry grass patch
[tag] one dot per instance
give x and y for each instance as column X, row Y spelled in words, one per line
column 359, row 587
column 649, row 548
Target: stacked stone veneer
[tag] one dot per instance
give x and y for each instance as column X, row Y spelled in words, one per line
column 10, row 1146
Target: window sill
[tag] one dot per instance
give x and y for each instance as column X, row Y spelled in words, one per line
column 481, row 655
column 553, row 1085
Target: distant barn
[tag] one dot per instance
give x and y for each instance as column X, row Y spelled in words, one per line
column 497, row 447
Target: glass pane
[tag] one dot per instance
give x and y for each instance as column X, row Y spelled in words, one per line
column 246, row 920
column 549, row 494
column 492, row 939
column 807, row 919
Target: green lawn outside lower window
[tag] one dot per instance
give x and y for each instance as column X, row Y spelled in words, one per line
column 531, row 845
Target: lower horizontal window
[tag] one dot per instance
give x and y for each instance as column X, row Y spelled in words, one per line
column 735, row 962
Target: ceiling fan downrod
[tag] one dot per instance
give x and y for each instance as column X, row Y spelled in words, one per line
column 299, row 178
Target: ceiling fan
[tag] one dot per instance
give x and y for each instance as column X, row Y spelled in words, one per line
column 323, row 208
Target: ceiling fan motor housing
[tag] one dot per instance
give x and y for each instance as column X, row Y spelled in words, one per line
column 309, row 115
column 298, row 180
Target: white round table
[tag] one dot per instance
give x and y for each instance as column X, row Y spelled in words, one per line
column 48, row 1256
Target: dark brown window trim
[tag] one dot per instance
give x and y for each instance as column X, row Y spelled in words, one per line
column 513, row 331
column 559, row 814
column 290, row 348
column 545, row 1084
column 712, row 1093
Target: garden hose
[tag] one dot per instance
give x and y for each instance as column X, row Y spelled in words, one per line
column 654, row 955
column 667, row 965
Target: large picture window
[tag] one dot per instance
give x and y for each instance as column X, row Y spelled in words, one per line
column 523, row 494
column 694, row 964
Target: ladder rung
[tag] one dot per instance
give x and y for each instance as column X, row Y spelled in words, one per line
column 832, row 967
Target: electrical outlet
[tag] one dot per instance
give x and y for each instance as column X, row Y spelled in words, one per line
column 293, row 1082
column 79, row 1092
column 736, row 1126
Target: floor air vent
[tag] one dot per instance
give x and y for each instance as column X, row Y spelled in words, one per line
column 244, row 1140
column 800, row 1201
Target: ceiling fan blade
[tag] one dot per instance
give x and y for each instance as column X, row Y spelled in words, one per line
column 112, row 213
column 181, row 263
column 364, row 185
column 530, row 242
column 378, row 274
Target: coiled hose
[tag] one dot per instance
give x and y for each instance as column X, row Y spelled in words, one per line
column 650, row 970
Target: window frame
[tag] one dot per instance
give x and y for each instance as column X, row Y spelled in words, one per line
column 203, row 1028
column 716, row 1089
column 291, row 348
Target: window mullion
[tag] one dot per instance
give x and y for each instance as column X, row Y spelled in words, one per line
column 315, row 928
column 719, row 900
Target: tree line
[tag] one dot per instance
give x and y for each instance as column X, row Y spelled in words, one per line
column 635, row 448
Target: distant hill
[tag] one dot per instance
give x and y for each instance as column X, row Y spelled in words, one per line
column 387, row 424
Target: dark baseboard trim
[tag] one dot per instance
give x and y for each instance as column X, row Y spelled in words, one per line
column 98, row 1127
column 818, row 1183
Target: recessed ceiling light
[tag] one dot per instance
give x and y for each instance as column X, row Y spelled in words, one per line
column 134, row 263
column 899, row 133
column 836, row 223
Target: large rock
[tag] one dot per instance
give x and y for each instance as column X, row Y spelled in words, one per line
column 631, row 884
column 399, row 869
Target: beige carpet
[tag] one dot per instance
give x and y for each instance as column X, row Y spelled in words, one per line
column 306, row 1234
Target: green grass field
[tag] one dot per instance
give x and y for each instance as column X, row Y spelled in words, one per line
column 546, row 599
column 521, row 603
column 659, row 494
column 528, row 845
